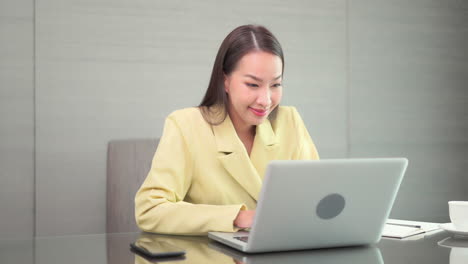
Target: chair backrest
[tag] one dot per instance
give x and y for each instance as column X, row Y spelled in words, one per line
column 128, row 164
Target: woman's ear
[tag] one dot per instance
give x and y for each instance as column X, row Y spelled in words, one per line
column 226, row 83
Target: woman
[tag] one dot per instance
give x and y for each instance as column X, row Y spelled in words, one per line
column 207, row 172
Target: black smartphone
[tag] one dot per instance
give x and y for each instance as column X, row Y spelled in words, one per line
column 159, row 249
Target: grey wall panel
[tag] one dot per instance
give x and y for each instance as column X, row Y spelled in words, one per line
column 114, row 69
column 314, row 40
column 408, row 96
column 16, row 120
column 17, row 251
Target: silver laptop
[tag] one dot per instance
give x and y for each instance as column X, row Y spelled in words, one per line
column 320, row 203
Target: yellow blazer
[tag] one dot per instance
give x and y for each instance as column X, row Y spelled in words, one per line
column 202, row 175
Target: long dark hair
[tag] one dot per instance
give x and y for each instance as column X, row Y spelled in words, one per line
column 242, row 40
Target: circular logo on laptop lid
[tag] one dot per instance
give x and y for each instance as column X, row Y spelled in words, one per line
column 330, row 206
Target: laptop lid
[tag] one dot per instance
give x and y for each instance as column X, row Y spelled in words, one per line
column 324, row 203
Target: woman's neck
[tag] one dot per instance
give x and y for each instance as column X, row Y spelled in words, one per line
column 242, row 130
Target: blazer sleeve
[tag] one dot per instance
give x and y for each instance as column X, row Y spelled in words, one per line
column 159, row 203
column 306, row 149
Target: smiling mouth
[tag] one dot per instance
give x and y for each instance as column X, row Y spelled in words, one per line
column 258, row 112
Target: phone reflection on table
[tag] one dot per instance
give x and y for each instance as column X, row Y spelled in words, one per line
column 196, row 248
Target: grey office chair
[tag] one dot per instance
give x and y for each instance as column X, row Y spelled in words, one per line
column 128, row 163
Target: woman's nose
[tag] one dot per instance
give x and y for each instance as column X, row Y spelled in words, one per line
column 264, row 97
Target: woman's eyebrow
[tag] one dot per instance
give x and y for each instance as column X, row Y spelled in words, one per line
column 277, row 77
column 260, row 80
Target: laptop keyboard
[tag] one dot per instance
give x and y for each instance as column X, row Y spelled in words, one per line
column 243, row 238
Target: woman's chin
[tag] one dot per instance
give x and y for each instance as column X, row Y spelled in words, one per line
column 258, row 120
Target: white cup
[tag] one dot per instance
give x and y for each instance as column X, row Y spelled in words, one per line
column 458, row 211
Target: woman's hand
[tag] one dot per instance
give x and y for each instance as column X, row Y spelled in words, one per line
column 244, row 219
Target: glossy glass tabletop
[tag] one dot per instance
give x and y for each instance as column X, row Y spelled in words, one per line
column 114, row 249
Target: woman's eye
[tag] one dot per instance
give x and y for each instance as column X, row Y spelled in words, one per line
column 277, row 85
column 251, row 84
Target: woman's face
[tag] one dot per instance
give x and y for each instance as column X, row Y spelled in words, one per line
column 254, row 88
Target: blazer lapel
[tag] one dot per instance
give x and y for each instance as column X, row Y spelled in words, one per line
column 234, row 158
column 264, row 147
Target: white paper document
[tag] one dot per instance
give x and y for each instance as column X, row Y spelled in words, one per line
column 403, row 228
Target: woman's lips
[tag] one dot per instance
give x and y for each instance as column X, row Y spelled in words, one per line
column 258, row 112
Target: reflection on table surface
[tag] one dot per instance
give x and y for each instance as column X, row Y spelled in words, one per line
column 201, row 250
column 458, row 249
column 115, row 249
